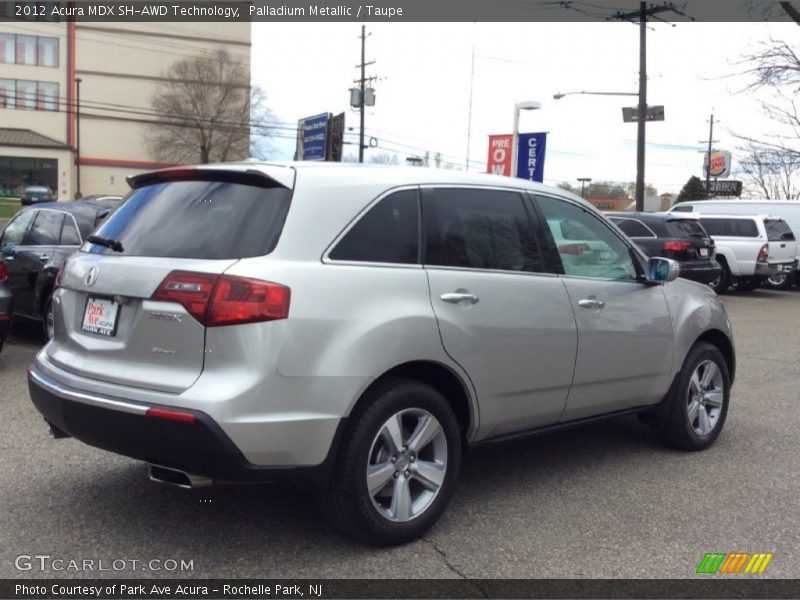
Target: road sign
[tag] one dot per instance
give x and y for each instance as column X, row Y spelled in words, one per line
column 312, row 137
column 499, row 162
column 725, row 187
column 335, row 138
column 630, row 114
column 530, row 156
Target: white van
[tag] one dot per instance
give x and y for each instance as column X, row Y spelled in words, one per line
column 788, row 210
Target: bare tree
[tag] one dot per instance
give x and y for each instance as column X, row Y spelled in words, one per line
column 770, row 174
column 206, row 111
column 384, row 158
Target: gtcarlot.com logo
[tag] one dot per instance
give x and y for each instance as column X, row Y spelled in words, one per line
column 46, row 562
column 736, row 562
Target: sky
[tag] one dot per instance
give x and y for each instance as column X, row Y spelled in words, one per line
column 431, row 96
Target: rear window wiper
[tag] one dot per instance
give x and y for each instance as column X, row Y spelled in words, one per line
column 100, row 240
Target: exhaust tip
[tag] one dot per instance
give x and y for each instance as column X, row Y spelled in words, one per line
column 178, row 478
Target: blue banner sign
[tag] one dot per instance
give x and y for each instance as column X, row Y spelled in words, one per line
column 530, row 156
column 314, row 131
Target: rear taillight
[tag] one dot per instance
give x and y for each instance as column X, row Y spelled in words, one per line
column 674, row 246
column 216, row 300
column 3, row 271
column 763, row 254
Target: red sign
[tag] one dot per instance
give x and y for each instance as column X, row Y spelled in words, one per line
column 499, row 162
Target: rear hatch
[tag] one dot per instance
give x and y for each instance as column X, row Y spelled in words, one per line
column 132, row 305
column 688, row 241
column 782, row 243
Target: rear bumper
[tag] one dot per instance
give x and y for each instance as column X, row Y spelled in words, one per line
column 767, row 269
column 199, row 447
column 701, row 271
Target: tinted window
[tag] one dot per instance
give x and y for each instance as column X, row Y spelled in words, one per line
column 15, row 231
column 69, row 234
column 599, row 253
column 778, row 230
column 198, row 219
column 633, row 228
column 680, row 208
column 46, row 230
column 686, row 228
column 729, row 227
column 480, row 229
column 388, row 233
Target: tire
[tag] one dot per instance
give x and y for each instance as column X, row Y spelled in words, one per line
column 395, row 413
column 780, row 281
column 721, row 283
column 48, row 326
column 697, row 404
column 747, row 284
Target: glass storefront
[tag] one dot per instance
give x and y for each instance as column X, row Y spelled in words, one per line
column 16, row 173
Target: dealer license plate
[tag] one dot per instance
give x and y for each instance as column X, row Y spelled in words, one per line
column 101, row 316
column 703, row 251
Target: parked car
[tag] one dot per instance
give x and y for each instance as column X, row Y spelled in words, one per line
column 788, row 210
column 750, row 249
column 36, row 243
column 6, row 305
column 676, row 236
column 109, row 200
column 359, row 328
column 35, row 194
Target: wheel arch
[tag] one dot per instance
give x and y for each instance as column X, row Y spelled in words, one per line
column 717, row 338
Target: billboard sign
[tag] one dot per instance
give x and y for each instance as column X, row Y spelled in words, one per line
column 530, row 156
column 720, row 163
column 312, row 137
column 726, row 187
column 499, row 162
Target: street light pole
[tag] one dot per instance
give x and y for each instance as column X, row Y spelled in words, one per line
column 642, row 112
column 584, row 181
column 78, row 138
column 519, row 106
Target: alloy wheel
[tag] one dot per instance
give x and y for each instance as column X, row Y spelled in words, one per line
column 705, row 397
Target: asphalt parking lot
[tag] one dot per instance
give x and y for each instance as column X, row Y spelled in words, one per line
column 606, row 500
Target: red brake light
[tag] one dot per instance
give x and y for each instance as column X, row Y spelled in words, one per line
column 216, row 300
column 675, row 246
column 763, row 254
column 175, row 173
column 3, row 271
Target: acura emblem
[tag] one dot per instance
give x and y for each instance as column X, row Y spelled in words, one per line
column 91, row 276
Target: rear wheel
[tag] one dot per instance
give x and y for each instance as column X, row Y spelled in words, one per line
column 397, row 468
column 697, row 403
column 779, row 281
column 721, row 283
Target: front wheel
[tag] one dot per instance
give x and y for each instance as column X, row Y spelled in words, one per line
column 697, row 403
column 396, row 471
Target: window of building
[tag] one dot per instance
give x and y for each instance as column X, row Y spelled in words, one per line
column 388, row 233
column 26, row 95
column 7, row 53
column 26, row 50
column 47, row 52
column 17, row 173
column 46, row 96
column 8, row 92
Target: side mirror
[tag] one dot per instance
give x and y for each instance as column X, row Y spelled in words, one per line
column 661, row 270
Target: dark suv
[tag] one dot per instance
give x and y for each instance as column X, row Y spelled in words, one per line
column 672, row 235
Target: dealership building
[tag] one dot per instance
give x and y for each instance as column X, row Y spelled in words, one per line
column 75, row 98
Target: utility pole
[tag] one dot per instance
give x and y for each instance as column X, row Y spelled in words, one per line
column 78, row 194
column 584, row 181
column 711, row 141
column 641, row 17
column 363, row 85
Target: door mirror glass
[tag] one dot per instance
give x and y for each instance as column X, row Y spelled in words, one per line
column 660, row 270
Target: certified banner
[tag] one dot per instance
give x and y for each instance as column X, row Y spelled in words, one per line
column 530, row 156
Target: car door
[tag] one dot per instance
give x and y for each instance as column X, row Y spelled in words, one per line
column 12, row 243
column 501, row 316
column 625, row 336
column 38, row 248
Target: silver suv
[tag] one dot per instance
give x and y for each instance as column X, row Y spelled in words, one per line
column 360, row 328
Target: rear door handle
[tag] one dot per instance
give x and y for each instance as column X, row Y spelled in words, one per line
column 591, row 303
column 457, row 297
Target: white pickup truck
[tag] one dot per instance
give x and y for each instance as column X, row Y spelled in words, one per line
column 750, row 248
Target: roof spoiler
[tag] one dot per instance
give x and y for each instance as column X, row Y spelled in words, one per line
column 277, row 177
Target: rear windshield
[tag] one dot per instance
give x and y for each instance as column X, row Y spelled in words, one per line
column 198, row 219
column 778, row 230
column 686, row 228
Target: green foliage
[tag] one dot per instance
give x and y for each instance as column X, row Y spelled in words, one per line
column 694, row 189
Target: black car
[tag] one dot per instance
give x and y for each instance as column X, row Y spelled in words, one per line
column 6, row 302
column 34, row 246
column 672, row 235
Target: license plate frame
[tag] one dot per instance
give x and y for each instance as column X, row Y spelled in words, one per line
column 106, row 325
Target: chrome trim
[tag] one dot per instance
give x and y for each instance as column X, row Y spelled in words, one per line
column 70, row 394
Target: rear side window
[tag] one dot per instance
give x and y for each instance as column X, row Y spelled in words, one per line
column 633, row 228
column 730, row 227
column 198, row 219
column 15, row 231
column 69, row 233
column 680, row 208
column 778, row 230
column 388, row 233
column 46, row 230
column 480, row 229
column 686, row 228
